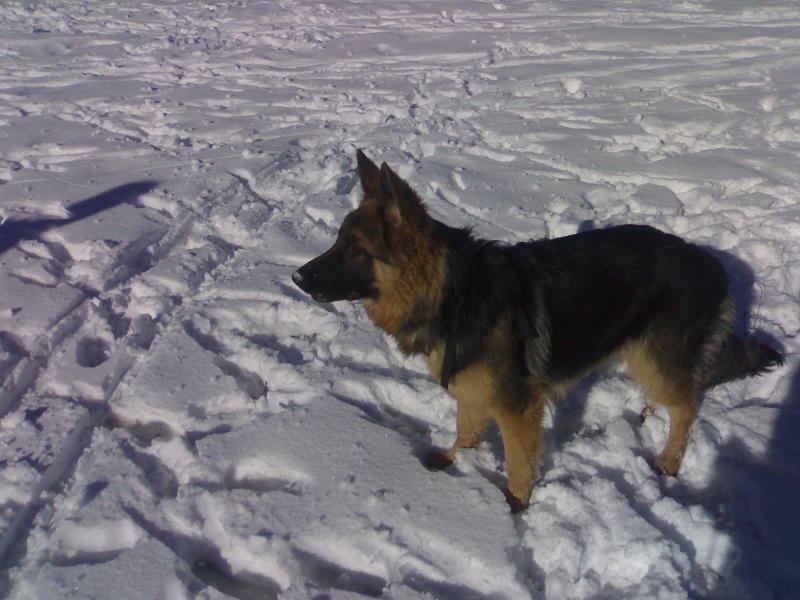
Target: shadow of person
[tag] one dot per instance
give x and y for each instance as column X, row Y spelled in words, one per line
column 758, row 496
column 754, row 496
column 14, row 230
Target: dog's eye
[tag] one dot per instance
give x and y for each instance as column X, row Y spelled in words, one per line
column 357, row 249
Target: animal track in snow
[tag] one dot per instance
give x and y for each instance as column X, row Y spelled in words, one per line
column 274, row 422
column 92, row 352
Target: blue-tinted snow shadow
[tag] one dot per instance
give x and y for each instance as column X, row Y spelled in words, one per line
column 14, row 230
column 757, row 498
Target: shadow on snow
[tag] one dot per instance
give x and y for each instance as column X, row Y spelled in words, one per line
column 14, row 230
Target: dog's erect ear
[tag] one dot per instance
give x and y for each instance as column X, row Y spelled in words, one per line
column 401, row 203
column 369, row 173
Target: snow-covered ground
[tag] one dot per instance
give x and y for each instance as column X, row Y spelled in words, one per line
column 179, row 421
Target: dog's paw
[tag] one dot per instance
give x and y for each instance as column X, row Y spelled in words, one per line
column 437, row 459
column 515, row 504
column 648, row 410
column 668, row 465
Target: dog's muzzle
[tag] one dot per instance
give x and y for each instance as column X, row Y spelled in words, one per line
column 306, row 283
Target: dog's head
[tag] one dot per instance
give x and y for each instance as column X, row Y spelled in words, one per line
column 381, row 232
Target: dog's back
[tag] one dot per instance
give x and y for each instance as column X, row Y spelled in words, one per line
column 604, row 288
column 633, row 284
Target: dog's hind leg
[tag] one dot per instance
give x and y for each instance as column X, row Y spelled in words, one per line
column 521, row 431
column 672, row 387
column 648, row 410
column 681, row 417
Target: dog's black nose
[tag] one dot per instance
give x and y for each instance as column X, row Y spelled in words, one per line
column 297, row 277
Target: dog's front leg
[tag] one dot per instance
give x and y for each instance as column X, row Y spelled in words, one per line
column 471, row 420
column 521, row 431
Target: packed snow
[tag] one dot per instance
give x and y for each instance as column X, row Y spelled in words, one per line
column 179, row 421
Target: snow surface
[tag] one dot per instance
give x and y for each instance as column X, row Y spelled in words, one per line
column 179, row 421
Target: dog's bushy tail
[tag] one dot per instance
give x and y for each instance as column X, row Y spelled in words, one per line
column 741, row 357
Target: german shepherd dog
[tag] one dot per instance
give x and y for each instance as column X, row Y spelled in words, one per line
column 504, row 327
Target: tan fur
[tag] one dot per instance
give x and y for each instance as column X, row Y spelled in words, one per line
column 480, row 399
column 478, row 379
column 521, row 431
column 681, row 417
column 414, row 283
column 678, row 395
column 474, row 391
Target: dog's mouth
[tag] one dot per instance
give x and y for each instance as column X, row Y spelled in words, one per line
column 320, row 297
